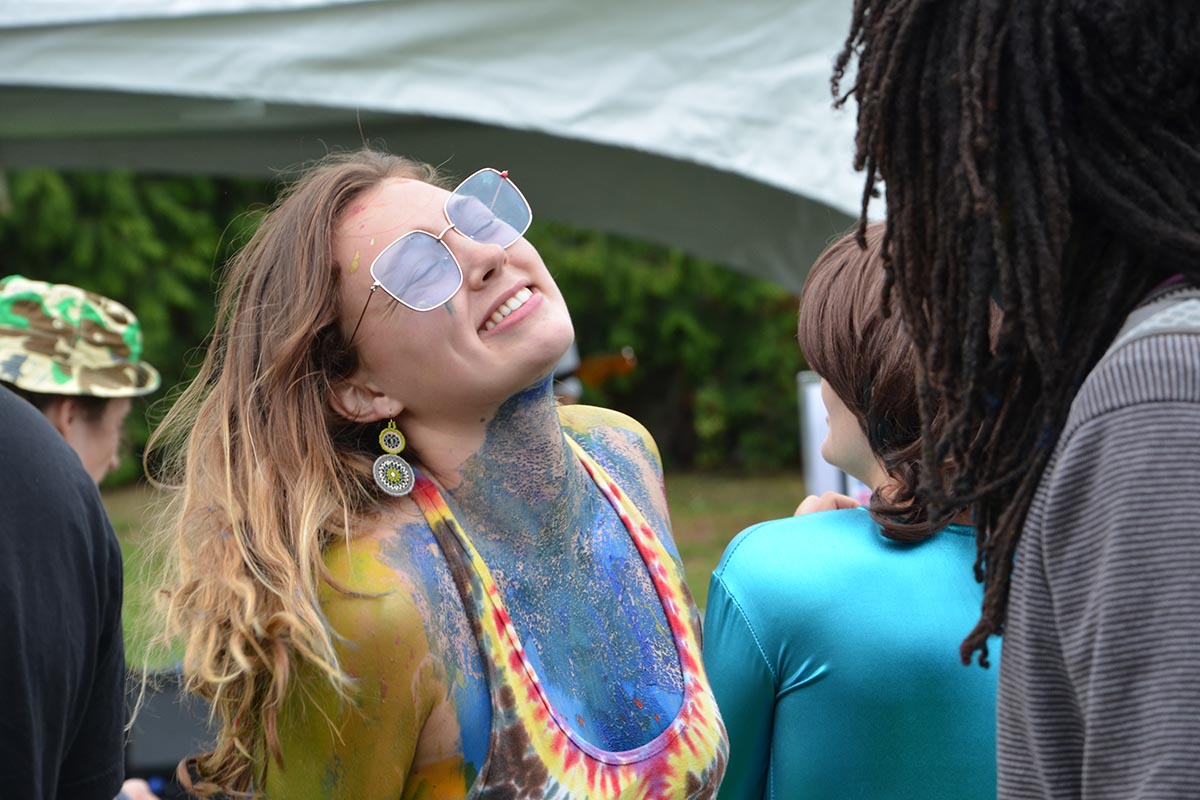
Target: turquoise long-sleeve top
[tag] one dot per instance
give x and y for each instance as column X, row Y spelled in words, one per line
column 833, row 655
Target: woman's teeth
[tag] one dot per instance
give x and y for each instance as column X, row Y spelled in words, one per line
column 509, row 306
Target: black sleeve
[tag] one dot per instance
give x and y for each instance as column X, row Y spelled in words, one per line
column 95, row 761
column 62, row 659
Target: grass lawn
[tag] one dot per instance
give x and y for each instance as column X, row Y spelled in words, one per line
column 706, row 512
column 129, row 508
column 709, row 510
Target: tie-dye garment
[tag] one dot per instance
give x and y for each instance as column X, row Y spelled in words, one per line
column 533, row 752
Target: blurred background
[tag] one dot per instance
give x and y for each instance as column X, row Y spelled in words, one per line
column 683, row 161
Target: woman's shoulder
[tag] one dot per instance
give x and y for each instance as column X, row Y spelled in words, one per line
column 814, row 556
column 375, row 539
column 606, row 427
column 627, row 452
column 789, row 579
column 794, row 545
column 384, row 580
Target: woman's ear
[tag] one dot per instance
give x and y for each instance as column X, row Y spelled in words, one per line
column 358, row 402
column 61, row 413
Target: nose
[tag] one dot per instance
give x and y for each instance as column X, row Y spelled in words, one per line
column 480, row 261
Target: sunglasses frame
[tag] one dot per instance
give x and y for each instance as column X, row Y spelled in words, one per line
column 503, row 174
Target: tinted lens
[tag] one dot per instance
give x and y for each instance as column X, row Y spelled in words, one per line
column 418, row 270
column 488, row 208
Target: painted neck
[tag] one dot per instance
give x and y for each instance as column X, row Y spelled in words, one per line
column 523, row 478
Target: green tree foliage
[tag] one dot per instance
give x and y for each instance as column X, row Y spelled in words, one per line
column 150, row 242
column 717, row 357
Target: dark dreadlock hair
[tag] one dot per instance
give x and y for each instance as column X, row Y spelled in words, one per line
column 1041, row 153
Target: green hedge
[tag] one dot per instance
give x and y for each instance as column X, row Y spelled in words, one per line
column 717, row 354
column 716, row 350
column 153, row 243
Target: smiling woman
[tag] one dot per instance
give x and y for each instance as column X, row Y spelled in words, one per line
column 505, row 613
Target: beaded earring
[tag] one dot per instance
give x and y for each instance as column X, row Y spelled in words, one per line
column 392, row 473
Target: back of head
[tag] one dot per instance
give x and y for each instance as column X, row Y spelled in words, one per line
column 265, row 473
column 867, row 359
column 1044, row 153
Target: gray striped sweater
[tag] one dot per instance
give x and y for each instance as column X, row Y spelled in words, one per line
column 1100, row 674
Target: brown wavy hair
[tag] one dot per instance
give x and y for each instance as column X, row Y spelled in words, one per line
column 867, row 359
column 264, row 474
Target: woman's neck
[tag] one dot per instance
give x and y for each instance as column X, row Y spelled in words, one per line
column 889, row 488
column 521, row 480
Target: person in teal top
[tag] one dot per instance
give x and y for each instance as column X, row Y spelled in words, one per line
column 831, row 638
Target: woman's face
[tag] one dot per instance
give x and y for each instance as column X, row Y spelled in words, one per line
column 445, row 362
column 846, row 446
column 97, row 441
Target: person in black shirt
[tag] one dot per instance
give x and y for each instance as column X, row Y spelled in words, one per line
column 74, row 356
column 62, row 659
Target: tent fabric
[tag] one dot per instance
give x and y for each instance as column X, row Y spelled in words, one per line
column 705, row 125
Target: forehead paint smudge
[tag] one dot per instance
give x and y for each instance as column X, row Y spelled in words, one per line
column 354, row 263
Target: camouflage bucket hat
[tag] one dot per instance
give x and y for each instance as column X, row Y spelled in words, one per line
column 59, row 339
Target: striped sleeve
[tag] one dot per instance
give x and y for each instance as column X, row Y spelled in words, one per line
column 1100, row 676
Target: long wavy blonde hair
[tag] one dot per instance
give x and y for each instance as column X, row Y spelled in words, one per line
column 264, row 475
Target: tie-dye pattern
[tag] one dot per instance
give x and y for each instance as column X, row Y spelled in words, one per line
column 534, row 753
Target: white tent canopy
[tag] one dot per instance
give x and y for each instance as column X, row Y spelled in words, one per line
column 705, row 125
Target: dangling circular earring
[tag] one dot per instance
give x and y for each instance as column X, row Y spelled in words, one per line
column 392, row 473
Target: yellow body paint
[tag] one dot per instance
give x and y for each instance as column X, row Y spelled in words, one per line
column 583, row 419
column 354, row 263
column 442, row 780
column 370, row 745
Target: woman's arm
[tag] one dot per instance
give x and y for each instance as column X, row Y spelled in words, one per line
column 394, row 736
column 744, row 686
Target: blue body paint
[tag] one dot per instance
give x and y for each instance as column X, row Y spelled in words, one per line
column 579, row 594
column 414, row 551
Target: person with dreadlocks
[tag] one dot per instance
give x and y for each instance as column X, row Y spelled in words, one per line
column 1046, row 154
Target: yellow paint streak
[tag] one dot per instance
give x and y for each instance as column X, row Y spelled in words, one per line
column 354, row 263
column 583, row 419
column 363, row 747
column 439, row 780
